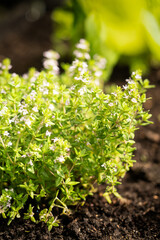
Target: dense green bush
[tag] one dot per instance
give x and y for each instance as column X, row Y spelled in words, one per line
column 60, row 135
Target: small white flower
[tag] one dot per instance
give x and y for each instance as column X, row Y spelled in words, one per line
column 41, row 89
column 33, row 79
column 9, row 144
column 130, row 92
column 51, row 64
column 55, row 139
column 84, row 66
column 48, row 54
column 97, row 82
column 25, row 75
column 115, row 169
column 125, row 96
column 23, row 156
column 125, row 87
column 29, row 154
column 45, row 91
column 24, row 111
column 102, row 63
column 130, row 81
column 51, row 107
column 73, row 87
column 128, row 119
column 115, row 94
column 60, row 159
column 81, row 78
column 72, row 69
column 52, row 148
column 98, row 73
column 8, row 205
column 6, row 133
column 3, row 111
column 55, row 92
column 33, row 118
column 11, row 120
column 87, row 56
column 47, row 124
column 82, row 90
column 48, row 133
column 32, row 95
column 103, row 165
column 14, row 74
column 78, row 54
column 22, row 119
column 28, row 122
column 55, row 70
column 78, row 78
column 35, row 109
column 45, row 84
column 110, row 104
column 3, row 91
column 51, row 54
column 137, row 76
column 67, row 102
column 82, row 45
column 30, row 162
column 134, row 100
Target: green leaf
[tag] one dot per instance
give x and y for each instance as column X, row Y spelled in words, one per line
column 72, row 183
column 107, row 197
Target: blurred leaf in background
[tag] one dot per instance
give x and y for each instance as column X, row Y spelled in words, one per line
column 120, row 30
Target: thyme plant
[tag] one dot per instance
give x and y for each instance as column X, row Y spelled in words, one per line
column 60, row 134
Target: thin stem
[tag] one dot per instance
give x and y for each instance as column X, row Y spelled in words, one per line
column 33, row 137
column 5, row 149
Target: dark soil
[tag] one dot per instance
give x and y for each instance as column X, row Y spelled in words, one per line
column 137, row 215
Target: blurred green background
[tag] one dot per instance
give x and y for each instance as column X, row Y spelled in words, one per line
column 125, row 32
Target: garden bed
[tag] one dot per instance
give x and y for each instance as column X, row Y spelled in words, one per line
column 137, row 216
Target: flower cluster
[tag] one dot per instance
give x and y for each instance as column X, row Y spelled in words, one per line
column 55, row 128
column 50, row 62
column 82, row 51
column 5, row 199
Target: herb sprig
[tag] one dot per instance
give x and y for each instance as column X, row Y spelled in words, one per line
column 60, row 134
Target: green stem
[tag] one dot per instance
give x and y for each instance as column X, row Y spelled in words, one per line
column 5, row 149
